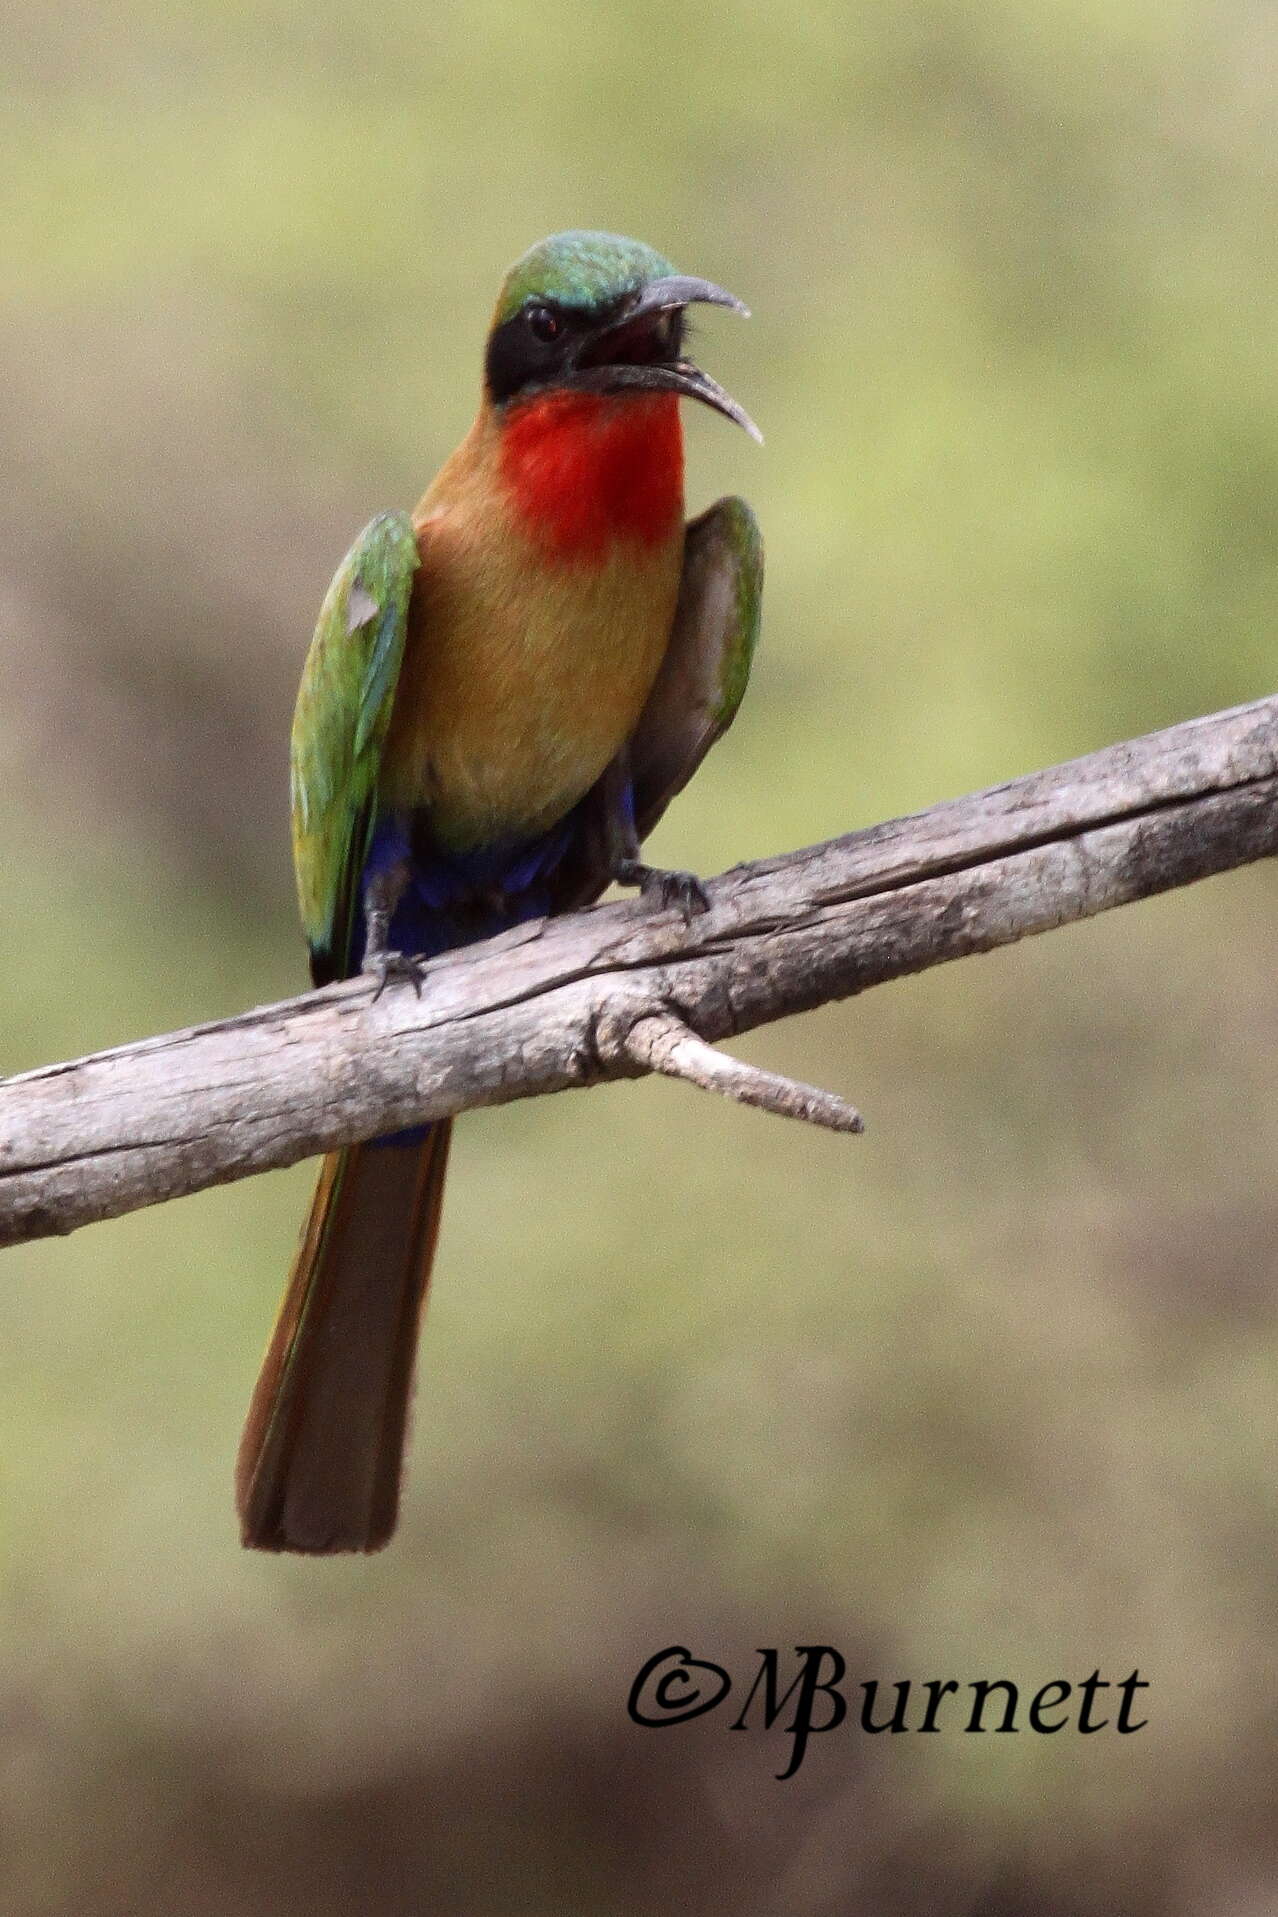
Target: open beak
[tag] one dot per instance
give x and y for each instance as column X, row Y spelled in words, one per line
column 638, row 350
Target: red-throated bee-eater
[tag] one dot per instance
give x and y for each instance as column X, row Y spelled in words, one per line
column 503, row 693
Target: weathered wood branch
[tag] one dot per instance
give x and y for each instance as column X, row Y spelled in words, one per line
column 620, row 990
column 663, row 1042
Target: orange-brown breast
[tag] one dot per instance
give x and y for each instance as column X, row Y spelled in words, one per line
column 537, row 625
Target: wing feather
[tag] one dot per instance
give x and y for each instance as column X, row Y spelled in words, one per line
column 706, row 667
column 339, row 727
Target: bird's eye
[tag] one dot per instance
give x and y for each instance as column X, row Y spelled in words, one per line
column 544, row 324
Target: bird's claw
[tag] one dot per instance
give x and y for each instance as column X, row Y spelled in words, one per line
column 384, row 966
column 681, row 889
column 664, row 889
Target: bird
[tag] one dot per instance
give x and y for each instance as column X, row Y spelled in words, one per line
column 504, row 691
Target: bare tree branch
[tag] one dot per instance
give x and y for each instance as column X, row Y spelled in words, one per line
column 664, row 1043
column 619, row 990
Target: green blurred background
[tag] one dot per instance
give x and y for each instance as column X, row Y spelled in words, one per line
column 987, row 1393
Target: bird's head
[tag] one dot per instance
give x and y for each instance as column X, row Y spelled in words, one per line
column 595, row 313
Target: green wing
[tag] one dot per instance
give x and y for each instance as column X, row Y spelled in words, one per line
column 339, row 726
column 706, row 668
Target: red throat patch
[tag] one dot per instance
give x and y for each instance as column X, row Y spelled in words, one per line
column 586, row 469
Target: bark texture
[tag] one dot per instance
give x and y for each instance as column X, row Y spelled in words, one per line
column 619, row 990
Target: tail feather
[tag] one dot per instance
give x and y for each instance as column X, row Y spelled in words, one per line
column 320, row 1460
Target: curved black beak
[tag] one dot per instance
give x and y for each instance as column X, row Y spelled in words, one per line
column 660, row 296
column 638, row 348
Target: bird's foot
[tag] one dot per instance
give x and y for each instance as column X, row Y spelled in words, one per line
column 384, row 966
column 681, row 889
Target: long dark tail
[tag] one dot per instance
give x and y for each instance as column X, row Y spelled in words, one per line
column 321, row 1457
